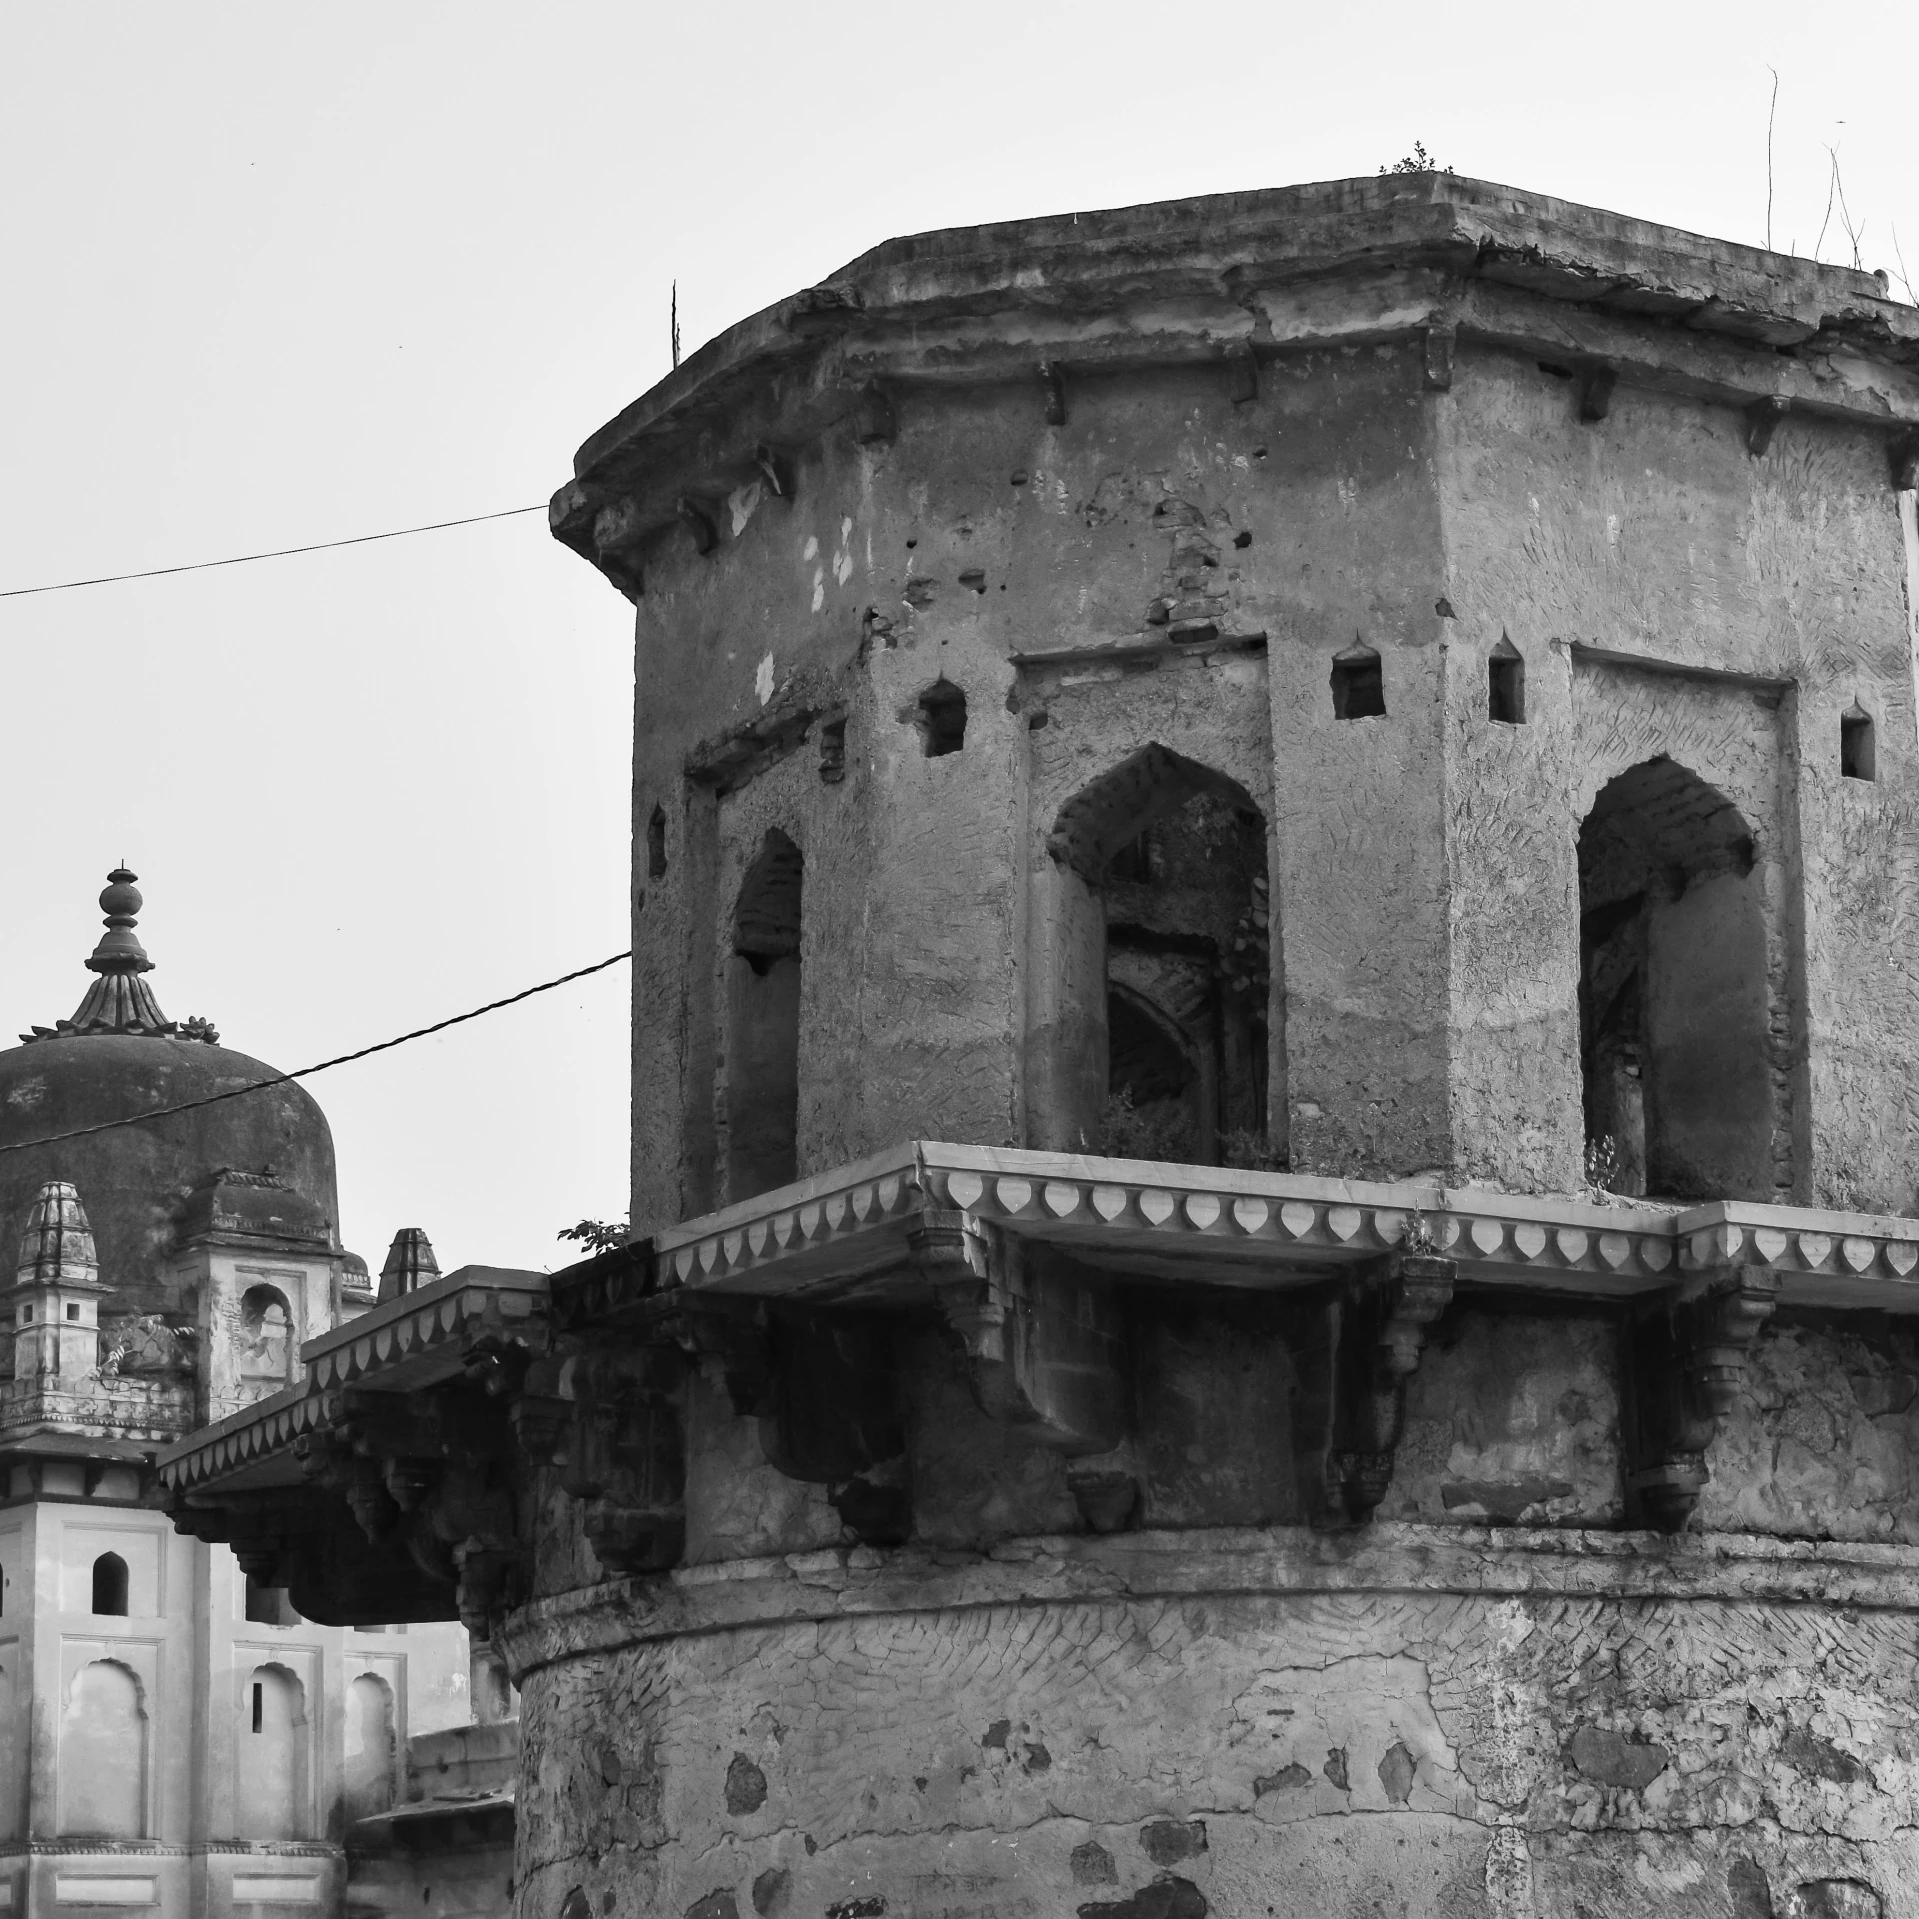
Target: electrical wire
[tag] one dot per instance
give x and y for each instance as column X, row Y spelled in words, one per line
column 307, row 1072
column 278, row 553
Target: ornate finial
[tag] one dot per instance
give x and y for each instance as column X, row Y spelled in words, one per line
column 57, row 1247
column 120, row 1000
column 409, row 1265
column 120, row 950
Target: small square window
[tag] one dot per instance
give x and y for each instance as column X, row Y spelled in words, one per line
column 26, row 1315
column 73, row 1312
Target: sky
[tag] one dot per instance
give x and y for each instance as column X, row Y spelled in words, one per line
column 275, row 275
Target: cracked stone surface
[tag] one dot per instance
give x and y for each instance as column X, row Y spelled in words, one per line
column 1526, row 1759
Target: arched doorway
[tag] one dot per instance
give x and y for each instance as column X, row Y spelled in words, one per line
column 1155, row 934
column 1675, row 1006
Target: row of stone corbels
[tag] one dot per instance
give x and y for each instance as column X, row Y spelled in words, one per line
column 1047, row 1355
column 438, row 1483
column 407, row 1510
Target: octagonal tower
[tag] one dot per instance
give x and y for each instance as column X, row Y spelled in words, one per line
column 1273, row 1158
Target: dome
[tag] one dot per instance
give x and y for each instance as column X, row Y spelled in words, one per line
column 259, row 1166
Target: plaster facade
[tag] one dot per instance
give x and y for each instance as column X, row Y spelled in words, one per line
column 1397, row 697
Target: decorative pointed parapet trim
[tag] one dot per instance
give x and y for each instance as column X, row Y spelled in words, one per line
column 1844, row 1261
column 844, row 1235
column 428, row 1333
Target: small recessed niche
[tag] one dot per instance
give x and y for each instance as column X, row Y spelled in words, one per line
column 1359, row 685
column 833, row 752
column 1858, row 754
column 941, row 719
column 73, row 1312
column 656, row 844
column 1506, row 684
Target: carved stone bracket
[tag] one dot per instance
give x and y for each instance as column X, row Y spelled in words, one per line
column 831, row 1415
column 1045, row 1351
column 1353, row 1354
column 1686, row 1360
column 626, row 1460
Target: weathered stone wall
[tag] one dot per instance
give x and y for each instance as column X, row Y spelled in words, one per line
column 1654, row 530
column 1538, row 1734
column 1306, row 516
column 1424, row 889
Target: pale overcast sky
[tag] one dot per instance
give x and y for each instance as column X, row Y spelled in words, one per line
column 278, row 274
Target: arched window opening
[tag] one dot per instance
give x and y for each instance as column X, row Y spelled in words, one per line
column 940, row 715
column 1674, row 998
column 1359, row 685
column 1858, row 754
column 1506, row 684
column 371, row 1746
column 1158, row 1047
column 110, row 1586
column 270, row 1780
column 762, row 1072
column 103, row 1754
column 266, row 1337
column 656, row 844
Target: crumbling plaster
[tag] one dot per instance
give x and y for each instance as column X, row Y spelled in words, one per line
column 1654, row 531
column 1519, row 1758
column 1428, row 972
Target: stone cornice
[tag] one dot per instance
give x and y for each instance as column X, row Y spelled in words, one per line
column 1341, row 263
column 1068, row 1569
column 846, row 1235
column 405, row 1347
column 422, row 1336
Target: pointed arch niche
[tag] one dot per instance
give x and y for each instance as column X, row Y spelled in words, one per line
column 1675, row 1008
column 103, row 1754
column 762, row 1069
column 271, row 1779
column 372, row 1747
column 1149, row 1035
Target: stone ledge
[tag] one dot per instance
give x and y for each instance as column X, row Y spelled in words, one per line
column 1478, row 1562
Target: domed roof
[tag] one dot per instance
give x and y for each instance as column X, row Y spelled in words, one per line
column 258, row 1166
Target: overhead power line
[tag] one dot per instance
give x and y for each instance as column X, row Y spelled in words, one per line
column 307, row 1072
column 278, row 553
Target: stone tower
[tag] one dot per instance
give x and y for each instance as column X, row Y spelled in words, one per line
column 1273, row 1162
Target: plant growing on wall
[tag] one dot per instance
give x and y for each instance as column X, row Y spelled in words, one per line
column 598, row 1235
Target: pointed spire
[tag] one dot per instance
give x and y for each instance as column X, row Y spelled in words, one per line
column 120, row 1000
column 409, row 1265
column 57, row 1247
